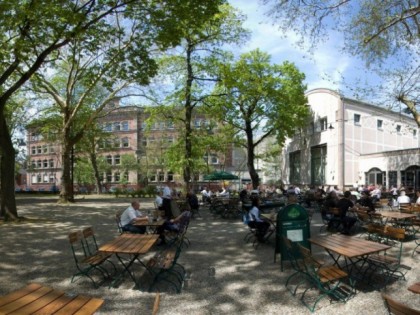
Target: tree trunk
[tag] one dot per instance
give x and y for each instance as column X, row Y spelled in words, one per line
column 255, row 179
column 7, row 172
column 188, row 116
column 67, row 193
column 96, row 172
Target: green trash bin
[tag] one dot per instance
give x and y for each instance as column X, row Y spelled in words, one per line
column 293, row 223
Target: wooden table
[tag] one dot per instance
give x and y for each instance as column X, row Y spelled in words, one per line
column 415, row 288
column 129, row 244
column 38, row 299
column 352, row 249
column 153, row 225
column 398, row 215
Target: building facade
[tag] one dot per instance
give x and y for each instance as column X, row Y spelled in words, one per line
column 129, row 135
column 349, row 143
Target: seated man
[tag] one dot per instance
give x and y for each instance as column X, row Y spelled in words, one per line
column 176, row 224
column 255, row 221
column 159, row 201
column 131, row 215
column 344, row 204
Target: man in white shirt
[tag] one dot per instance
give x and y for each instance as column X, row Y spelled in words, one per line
column 132, row 215
column 159, row 201
column 403, row 198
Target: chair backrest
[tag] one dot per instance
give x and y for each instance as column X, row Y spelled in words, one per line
column 77, row 246
column 90, row 240
column 405, row 207
column 175, row 209
column 118, row 215
column 293, row 252
column 397, row 308
column 311, row 265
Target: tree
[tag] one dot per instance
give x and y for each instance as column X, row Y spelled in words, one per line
column 32, row 33
column 190, row 68
column 260, row 100
column 386, row 34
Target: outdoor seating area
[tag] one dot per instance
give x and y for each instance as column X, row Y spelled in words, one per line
column 215, row 271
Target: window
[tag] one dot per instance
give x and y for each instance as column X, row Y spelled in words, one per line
column 294, row 166
column 415, row 133
column 51, row 163
column 45, row 163
column 356, row 118
column 46, row 178
column 52, row 178
column 45, row 149
column 33, row 150
column 170, row 177
column 379, row 124
column 125, row 142
column 161, row 176
column 117, row 126
column 38, row 178
column 117, row 176
column 318, row 164
column 52, row 150
column 117, row 143
column 170, row 125
column 323, row 124
column 33, row 163
column 33, row 179
column 152, row 178
column 162, row 125
column 197, row 123
column 398, row 128
column 117, row 159
column 125, row 126
column 39, row 149
column 39, row 164
column 109, row 159
column 144, row 141
column 109, row 177
column 35, row 136
column 125, row 176
column 375, row 177
column 108, row 127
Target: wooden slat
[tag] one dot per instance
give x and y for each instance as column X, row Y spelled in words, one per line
column 39, row 303
column 18, row 294
column 24, row 300
column 36, row 299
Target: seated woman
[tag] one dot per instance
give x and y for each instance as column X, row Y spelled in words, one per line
column 255, row 222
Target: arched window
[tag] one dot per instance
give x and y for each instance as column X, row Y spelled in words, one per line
column 375, row 177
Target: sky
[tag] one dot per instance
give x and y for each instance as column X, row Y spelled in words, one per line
column 325, row 67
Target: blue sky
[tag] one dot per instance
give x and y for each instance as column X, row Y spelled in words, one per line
column 325, row 67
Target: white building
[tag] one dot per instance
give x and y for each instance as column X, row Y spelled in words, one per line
column 348, row 143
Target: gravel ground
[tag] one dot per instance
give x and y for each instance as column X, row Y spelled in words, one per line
column 246, row 280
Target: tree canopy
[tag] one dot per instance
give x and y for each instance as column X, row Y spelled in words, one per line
column 260, row 100
column 384, row 33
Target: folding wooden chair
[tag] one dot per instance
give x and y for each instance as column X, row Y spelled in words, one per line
column 390, row 266
column 86, row 263
column 328, row 281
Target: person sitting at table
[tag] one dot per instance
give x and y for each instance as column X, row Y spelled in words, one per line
column 192, row 201
column 175, row 225
column 344, row 204
column 159, row 201
column 256, row 222
column 131, row 215
column 403, row 198
column 367, row 202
